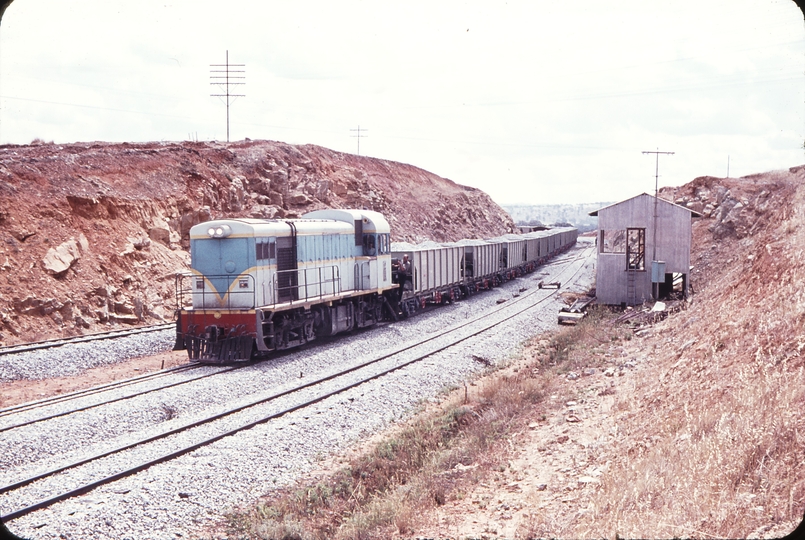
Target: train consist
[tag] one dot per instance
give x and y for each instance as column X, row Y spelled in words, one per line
column 258, row 286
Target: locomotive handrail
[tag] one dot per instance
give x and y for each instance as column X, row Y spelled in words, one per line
column 219, row 298
column 309, row 288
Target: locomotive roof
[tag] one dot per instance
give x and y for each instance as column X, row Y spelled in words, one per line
column 373, row 222
column 251, row 227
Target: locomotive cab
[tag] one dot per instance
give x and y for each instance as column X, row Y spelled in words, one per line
column 372, row 249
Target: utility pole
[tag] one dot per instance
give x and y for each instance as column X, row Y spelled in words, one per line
column 3, row 5
column 656, row 168
column 359, row 137
column 224, row 78
column 656, row 200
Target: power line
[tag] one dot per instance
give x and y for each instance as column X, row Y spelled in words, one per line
column 229, row 78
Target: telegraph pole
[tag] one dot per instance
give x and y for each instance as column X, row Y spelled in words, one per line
column 656, row 200
column 359, row 137
column 3, row 5
column 224, row 78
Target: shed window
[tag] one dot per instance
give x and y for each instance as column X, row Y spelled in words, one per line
column 612, row 241
column 636, row 249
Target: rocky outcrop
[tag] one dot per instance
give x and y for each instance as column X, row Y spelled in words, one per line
column 59, row 259
column 93, row 234
column 734, row 207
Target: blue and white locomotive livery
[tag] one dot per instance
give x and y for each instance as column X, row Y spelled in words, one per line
column 258, row 286
column 264, row 285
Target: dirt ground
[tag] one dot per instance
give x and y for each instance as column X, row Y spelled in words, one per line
column 551, row 467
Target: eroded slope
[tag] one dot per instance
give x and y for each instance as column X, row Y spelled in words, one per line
column 92, row 234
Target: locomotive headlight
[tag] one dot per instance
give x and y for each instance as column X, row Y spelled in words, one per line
column 221, row 231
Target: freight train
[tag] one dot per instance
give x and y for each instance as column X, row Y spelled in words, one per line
column 258, row 286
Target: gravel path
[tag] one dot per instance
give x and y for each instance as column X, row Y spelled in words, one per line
column 182, row 497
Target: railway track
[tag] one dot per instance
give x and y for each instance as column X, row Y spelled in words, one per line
column 117, row 385
column 40, row 403
column 111, row 334
column 298, row 396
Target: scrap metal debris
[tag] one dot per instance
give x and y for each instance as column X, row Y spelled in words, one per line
column 642, row 316
column 576, row 311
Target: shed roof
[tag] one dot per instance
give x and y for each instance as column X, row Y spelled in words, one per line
column 693, row 213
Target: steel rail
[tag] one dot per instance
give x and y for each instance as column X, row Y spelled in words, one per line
column 172, row 455
column 58, row 342
column 31, row 405
column 119, row 398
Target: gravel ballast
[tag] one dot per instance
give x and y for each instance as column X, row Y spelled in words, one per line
column 185, row 496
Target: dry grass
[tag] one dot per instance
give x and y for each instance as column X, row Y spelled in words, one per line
column 708, row 447
column 713, row 465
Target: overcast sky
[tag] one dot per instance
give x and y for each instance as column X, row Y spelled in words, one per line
column 533, row 101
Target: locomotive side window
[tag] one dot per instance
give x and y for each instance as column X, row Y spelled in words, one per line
column 369, row 245
column 265, row 249
column 384, row 244
column 200, row 283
